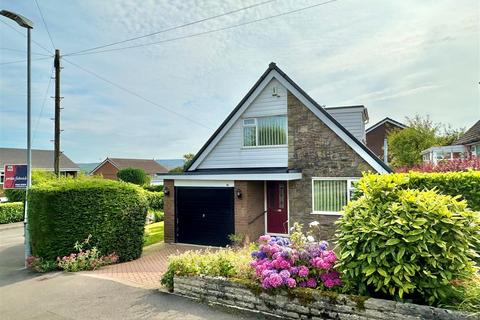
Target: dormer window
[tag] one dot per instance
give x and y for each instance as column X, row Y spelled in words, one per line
column 265, row 131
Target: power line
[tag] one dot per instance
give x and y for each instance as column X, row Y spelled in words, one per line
column 173, row 28
column 33, row 41
column 24, row 60
column 43, row 105
column 45, row 24
column 136, row 94
column 208, row 31
column 23, row 51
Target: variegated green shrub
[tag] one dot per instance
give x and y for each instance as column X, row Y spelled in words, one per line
column 406, row 243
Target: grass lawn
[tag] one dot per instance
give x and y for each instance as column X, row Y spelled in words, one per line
column 153, row 233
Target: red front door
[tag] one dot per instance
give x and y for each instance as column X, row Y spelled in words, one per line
column 277, row 211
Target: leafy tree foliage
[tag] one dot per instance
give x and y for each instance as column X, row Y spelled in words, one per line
column 134, row 175
column 405, row 146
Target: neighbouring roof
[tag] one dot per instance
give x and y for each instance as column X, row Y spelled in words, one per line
column 149, row 165
column 472, row 135
column 347, row 136
column 389, row 120
column 41, row 159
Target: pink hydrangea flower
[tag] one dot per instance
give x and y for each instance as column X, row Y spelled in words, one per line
column 303, row 271
column 284, row 274
column 311, row 283
column 291, row 283
column 275, row 280
column 264, row 238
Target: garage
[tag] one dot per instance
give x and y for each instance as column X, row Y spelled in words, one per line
column 204, row 215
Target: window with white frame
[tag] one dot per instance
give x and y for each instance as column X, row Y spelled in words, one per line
column 330, row 195
column 265, row 131
column 2, row 176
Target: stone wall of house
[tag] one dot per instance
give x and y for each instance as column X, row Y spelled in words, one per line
column 169, row 209
column 318, row 152
column 305, row 303
column 249, row 218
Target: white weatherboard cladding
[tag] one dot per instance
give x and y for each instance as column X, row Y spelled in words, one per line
column 351, row 119
column 230, row 153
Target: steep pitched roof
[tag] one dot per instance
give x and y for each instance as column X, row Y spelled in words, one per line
column 389, row 120
column 472, row 135
column 148, row 165
column 275, row 72
column 41, row 159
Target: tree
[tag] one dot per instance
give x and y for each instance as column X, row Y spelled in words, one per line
column 134, row 175
column 405, row 146
column 187, row 159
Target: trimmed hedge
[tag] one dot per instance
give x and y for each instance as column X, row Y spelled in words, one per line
column 155, row 200
column 11, row 212
column 134, row 175
column 63, row 211
column 464, row 184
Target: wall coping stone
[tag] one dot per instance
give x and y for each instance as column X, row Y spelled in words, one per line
column 305, row 303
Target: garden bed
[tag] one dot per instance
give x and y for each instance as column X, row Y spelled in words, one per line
column 303, row 303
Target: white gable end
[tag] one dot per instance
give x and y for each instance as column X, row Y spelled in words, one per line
column 229, row 151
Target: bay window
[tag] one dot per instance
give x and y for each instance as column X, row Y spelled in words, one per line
column 265, row 131
column 330, row 195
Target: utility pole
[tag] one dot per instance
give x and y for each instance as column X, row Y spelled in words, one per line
column 56, row 161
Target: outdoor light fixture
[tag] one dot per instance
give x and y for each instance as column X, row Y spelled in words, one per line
column 239, row 193
column 166, row 191
column 28, row 24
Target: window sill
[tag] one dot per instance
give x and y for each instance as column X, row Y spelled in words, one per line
column 266, row 147
column 327, row 213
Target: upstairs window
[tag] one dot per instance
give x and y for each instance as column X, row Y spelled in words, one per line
column 265, row 131
column 331, row 195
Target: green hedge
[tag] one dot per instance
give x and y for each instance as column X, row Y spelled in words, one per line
column 155, row 200
column 66, row 210
column 464, row 184
column 11, row 212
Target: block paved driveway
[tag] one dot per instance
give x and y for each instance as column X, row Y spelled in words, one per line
column 146, row 271
column 25, row 295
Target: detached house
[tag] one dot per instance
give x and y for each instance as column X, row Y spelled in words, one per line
column 109, row 167
column 278, row 158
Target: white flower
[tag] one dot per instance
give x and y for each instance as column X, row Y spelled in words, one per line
column 313, row 224
column 310, row 239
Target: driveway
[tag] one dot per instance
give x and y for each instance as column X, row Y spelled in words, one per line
column 57, row 295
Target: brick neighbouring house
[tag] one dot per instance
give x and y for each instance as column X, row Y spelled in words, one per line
column 377, row 134
column 278, row 158
column 109, row 167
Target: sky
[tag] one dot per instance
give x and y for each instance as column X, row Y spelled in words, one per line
column 398, row 58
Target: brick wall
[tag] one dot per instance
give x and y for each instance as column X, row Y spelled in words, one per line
column 318, row 152
column 169, row 209
column 248, row 207
column 107, row 170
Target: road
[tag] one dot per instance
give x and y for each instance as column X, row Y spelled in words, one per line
column 58, row 295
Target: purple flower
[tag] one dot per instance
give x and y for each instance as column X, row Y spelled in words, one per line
column 324, row 245
column 284, row 274
column 311, row 283
column 275, row 280
column 302, row 284
column 291, row 283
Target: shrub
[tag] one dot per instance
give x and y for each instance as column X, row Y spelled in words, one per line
column 445, row 166
column 134, row 175
column 464, row 184
column 224, row 262
column 11, row 212
column 406, row 244
column 153, row 188
column 38, row 176
column 158, row 215
column 64, row 211
column 154, row 199
column 40, row 264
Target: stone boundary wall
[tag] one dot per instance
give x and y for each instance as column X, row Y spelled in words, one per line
column 305, row 303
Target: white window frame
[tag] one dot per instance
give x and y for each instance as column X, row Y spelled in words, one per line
column 350, row 188
column 256, row 132
column 2, row 177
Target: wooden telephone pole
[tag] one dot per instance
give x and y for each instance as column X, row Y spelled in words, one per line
column 56, row 161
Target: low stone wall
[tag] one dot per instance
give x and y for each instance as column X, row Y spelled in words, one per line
column 304, row 303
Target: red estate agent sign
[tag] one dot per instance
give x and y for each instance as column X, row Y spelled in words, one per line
column 15, row 176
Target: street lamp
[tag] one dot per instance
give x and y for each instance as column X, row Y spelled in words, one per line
column 26, row 23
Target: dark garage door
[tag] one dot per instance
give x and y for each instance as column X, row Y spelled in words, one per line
column 204, row 215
